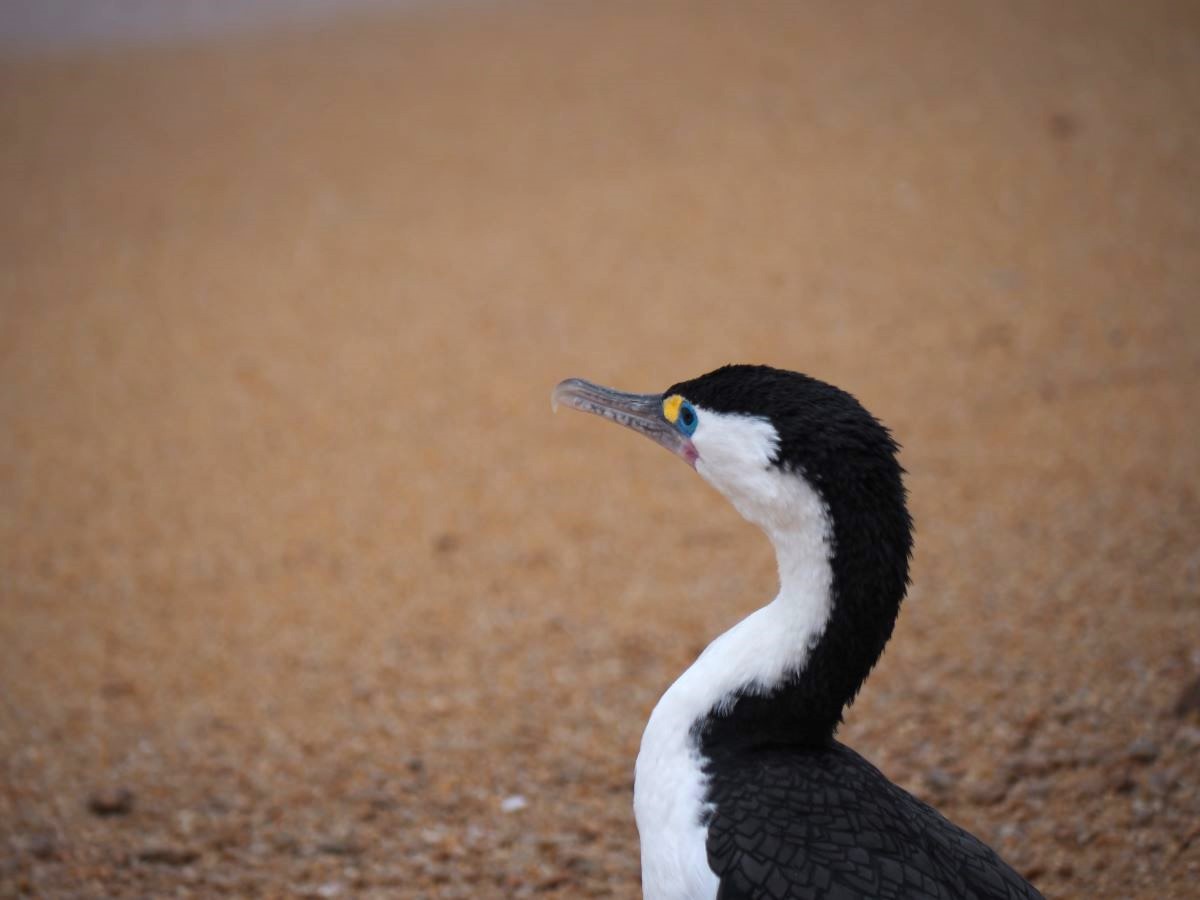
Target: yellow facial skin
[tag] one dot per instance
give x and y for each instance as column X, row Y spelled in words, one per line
column 671, row 407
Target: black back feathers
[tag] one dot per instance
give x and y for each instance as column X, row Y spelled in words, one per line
column 826, row 823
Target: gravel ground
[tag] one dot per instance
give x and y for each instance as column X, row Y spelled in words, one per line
column 303, row 590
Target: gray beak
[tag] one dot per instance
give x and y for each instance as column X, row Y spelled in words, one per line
column 641, row 412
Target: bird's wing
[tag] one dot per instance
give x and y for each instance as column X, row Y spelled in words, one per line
column 795, row 824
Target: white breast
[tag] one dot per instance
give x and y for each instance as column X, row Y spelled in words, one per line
column 753, row 656
column 668, row 799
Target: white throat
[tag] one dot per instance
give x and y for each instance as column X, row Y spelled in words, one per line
column 754, row 656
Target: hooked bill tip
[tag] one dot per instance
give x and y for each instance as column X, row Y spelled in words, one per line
column 562, row 391
column 556, row 396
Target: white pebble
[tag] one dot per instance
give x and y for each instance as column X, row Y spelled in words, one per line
column 513, row 804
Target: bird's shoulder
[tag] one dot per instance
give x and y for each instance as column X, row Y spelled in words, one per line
column 824, row 823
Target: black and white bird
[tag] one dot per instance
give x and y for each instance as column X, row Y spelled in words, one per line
column 741, row 790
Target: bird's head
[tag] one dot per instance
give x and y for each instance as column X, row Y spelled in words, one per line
column 756, row 432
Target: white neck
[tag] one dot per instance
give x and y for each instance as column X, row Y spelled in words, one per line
column 754, row 656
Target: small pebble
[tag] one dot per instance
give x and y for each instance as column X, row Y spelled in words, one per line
column 1188, row 737
column 1062, row 126
column 512, row 804
column 987, row 793
column 1008, row 831
column 1143, row 750
column 111, row 802
column 43, row 846
column 940, row 781
column 447, row 542
column 168, row 856
column 1123, row 783
column 1161, row 783
column 1142, row 812
column 1189, row 700
column 340, row 847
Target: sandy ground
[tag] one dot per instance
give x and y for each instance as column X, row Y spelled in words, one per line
column 304, row 591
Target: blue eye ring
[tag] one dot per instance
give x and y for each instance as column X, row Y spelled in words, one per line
column 687, row 419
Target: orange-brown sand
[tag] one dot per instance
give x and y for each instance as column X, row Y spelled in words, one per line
column 300, row 580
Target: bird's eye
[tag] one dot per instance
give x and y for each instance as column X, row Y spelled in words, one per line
column 688, row 419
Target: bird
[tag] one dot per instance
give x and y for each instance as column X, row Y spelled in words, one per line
column 742, row 790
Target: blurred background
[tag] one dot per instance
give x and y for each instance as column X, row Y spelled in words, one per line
column 305, row 592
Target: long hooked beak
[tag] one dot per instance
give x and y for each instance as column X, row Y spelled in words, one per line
column 641, row 412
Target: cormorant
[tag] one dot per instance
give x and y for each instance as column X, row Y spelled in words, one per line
column 741, row 790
